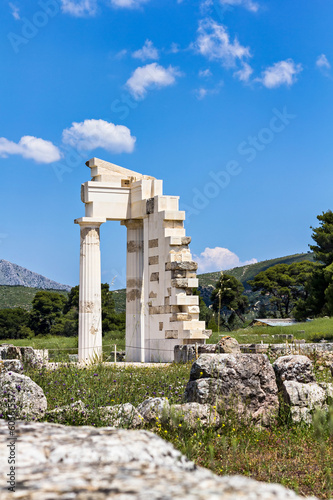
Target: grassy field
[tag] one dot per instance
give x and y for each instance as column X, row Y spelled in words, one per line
column 59, row 347
column 299, row 457
column 311, row 331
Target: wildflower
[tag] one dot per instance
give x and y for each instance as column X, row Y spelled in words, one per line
column 180, row 425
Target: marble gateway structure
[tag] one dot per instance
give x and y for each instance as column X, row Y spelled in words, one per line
column 161, row 311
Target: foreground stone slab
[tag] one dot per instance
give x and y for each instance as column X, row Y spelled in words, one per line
column 85, row 463
column 243, row 383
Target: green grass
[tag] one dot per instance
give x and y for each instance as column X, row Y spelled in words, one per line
column 59, row 347
column 299, row 457
column 311, row 331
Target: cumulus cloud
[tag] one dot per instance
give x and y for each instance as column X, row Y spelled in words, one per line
column 322, row 62
column 149, row 77
column 148, row 51
column 244, row 73
column 128, row 4
column 31, row 148
column 218, row 258
column 281, row 73
column 15, row 11
column 79, row 8
column 92, row 134
column 214, row 42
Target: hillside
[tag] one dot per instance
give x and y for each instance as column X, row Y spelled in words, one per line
column 21, row 296
column 244, row 274
column 14, row 275
column 208, row 281
column 247, row 273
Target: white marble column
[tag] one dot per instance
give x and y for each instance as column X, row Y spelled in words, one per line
column 135, row 313
column 90, row 309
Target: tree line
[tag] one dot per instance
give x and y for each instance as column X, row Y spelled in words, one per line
column 54, row 313
column 301, row 290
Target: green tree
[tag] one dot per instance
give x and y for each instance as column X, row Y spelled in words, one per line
column 13, row 323
column 110, row 319
column 285, row 285
column 323, row 237
column 228, row 297
column 47, row 309
column 319, row 300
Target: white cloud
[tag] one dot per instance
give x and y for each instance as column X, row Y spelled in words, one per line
column 150, row 76
column 244, row 73
column 217, row 259
column 205, row 73
column 214, row 43
column 174, row 48
column 92, row 134
column 148, row 51
column 15, row 11
column 202, row 92
column 281, row 73
column 248, row 4
column 322, row 62
column 31, row 148
column 79, row 8
column 128, row 4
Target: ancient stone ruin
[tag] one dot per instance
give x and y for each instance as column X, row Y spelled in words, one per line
column 161, row 311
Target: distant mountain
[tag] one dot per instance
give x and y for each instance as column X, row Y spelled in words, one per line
column 14, row 275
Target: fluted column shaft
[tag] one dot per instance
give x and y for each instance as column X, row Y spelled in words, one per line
column 135, row 334
column 90, row 301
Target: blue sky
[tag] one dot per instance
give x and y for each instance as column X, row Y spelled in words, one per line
column 228, row 101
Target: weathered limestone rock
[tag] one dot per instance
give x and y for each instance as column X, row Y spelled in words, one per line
column 34, row 356
column 11, row 365
column 122, row 415
column 195, row 415
column 153, row 409
column 85, row 463
column 228, row 345
column 244, row 383
column 303, row 399
column 295, row 367
column 310, row 395
column 328, row 388
column 9, row 351
column 22, row 396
